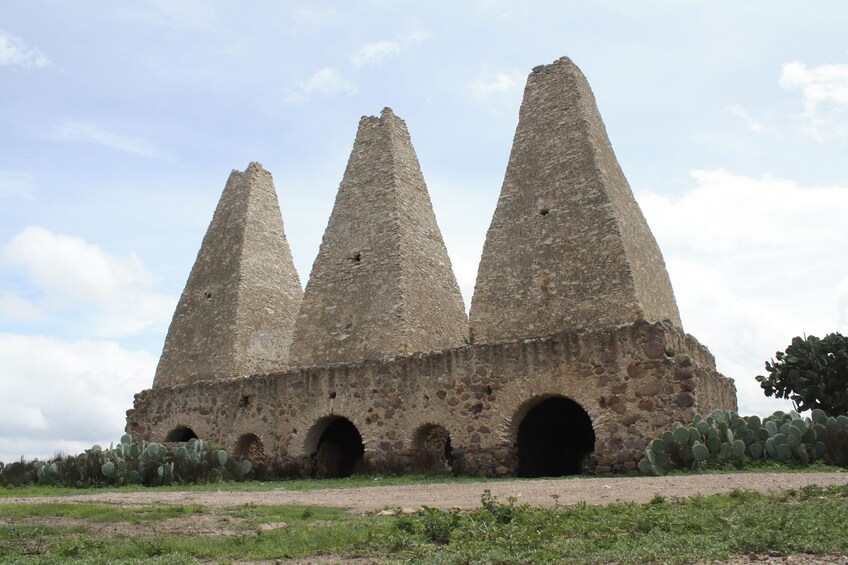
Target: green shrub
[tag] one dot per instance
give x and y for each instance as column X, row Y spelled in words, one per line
column 727, row 439
column 149, row 464
column 812, row 372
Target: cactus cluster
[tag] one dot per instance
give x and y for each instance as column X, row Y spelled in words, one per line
column 148, row 464
column 725, row 438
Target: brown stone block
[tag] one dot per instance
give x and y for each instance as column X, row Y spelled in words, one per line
column 646, row 405
column 650, row 388
column 635, row 370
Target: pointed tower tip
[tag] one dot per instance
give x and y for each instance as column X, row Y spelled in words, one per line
column 237, row 312
column 382, row 283
column 561, row 64
column 568, row 247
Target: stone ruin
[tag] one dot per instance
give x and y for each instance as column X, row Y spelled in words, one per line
column 573, row 345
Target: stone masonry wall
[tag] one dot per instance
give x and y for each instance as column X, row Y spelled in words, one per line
column 568, row 247
column 237, row 312
column 382, row 283
column 633, row 381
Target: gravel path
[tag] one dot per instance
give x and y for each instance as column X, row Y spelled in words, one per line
column 465, row 496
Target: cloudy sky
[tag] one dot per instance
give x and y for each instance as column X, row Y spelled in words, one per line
column 120, row 122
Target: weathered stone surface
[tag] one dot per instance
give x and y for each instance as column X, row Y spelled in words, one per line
column 568, row 247
column 237, row 312
column 382, row 284
column 570, row 283
column 291, row 405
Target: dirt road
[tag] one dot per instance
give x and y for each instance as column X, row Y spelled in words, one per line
column 539, row 492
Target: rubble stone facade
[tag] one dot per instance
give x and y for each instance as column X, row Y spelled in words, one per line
column 576, row 345
column 237, row 312
column 382, row 284
column 568, row 247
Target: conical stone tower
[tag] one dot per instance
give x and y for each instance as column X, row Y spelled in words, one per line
column 382, row 284
column 237, row 312
column 568, row 247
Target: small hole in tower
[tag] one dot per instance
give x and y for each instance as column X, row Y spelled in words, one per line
column 544, row 211
column 356, row 257
column 208, row 295
column 244, row 401
column 332, row 394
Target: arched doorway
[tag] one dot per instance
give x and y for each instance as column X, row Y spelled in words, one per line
column 339, row 448
column 433, row 450
column 250, row 447
column 554, row 438
column 181, row 433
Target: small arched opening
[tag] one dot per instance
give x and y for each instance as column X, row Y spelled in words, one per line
column 250, row 447
column 554, row 439
column 433, row 450
column 181, row 433
column 339, row 448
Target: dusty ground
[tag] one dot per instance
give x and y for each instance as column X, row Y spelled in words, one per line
column 465, row 496
column 460, row 496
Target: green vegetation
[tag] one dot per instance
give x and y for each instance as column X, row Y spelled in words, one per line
column 128, row 462
column 812, row 372
column 812, row 520
column 725, row 439
column 252, row 486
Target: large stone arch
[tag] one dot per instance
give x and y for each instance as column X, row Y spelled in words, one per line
column 250, row 446
column 179, row 428
column 553, row 435
column 180, row 434
column 335, row 446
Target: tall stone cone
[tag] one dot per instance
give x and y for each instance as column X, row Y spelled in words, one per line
column 237, row 312
column 568, row 247
column 382, row 284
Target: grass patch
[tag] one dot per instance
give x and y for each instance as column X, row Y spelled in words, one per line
column 97, row 513
column 249, row 486
column 811, row 520
column 702, row 528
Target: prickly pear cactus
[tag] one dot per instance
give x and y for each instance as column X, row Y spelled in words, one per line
column 725, row 438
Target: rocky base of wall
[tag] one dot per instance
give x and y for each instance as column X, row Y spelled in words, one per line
column 527, row 407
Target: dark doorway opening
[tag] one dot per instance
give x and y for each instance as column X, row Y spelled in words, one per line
column 181, row 433
column 250, row 447
column 433, row 450
column 554, row 439
column 340, row 449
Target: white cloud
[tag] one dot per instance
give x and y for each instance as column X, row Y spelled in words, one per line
column 490, row 82
column 69, row 272
column 325, row 82
column 754, row 262
column 757, row 126
column 14, row 53
column 16, row 184
column 15, row 308
column 827, row 83
column 416, row 36
column 65, row 395
column 90, row 133
column 374, row 53
column 825, row 97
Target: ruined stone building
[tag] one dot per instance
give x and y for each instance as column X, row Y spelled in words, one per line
column 573, row 345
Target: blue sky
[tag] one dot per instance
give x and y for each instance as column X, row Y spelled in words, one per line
column 120, row 122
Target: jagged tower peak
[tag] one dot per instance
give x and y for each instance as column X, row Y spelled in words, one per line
column 382, row 284
column 237, row 311
column 568, row 247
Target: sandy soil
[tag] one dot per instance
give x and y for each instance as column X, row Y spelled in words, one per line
column 465, row 496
